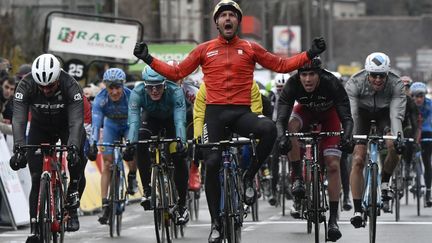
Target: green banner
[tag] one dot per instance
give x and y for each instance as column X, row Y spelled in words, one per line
column 165, row 52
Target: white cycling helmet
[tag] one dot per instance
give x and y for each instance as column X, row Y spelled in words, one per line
column 281, row 79
column 377, row 62
column 45, row 69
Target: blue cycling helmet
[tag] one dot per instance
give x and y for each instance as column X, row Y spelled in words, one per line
column 114, row 76
column 418, row 88
column 150, row 76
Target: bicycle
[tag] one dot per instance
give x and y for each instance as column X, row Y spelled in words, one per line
column 117, row 197
column 231, row 203
column 51, row 215
column 314, row 204
column 163, row 193
column 371, row 200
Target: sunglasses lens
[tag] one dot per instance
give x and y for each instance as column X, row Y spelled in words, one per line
column 376, row 75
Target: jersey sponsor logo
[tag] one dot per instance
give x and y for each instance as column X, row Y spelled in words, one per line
column 212, row 53
column 19, row 96
column 52, row 106
column 240, row 52
column 77, row 97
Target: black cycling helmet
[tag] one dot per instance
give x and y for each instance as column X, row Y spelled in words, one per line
column 312, row 65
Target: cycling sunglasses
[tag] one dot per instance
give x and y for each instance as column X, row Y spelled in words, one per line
column 158, row 86
column 376, row 75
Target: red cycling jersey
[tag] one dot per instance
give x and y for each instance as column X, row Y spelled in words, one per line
column 228, row 68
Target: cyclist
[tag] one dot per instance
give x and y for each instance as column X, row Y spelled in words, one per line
column 279, row 82
column 56, row 104
column 418, row 91
column 411, row 125
column 321, row 98
column 228, row 63
column 375, row 93
column 159, row 104
column 110, row 110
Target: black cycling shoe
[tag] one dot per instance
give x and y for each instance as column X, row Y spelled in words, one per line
column 73, row 222
column 73, row 201
column 132, row 184
column 103, row 219
column 295, row 209
column 298, row 188
column 357, row 220
column 33, row 239
column 181, row 215
column 215, row 234
column 333, row 233
column 272, row 200
column 250, row 194
column 347, row 205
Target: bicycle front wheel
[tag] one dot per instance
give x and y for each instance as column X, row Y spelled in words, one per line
column 316, row 201
column 373, row 208
column 113, row 200
column 160, row 205
column 44, row 218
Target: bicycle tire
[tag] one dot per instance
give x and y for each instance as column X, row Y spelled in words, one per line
column 158, row 204
column 316, row 201
column 44, row 217
column 255, row 211
column 121, row 204
column 284, row 189
column 373, row 209
column 307, row 201
column 196, row 203
column 113, row 199
column 64, row 184
column 172, row 201
column 398, row 178
column 58, row 236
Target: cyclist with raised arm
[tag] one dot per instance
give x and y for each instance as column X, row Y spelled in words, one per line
column 375, row 93
column 228, row 63
column 55, row 101
column 155, row 105
column 110, row 111
column 321, row 99
column 418, row 91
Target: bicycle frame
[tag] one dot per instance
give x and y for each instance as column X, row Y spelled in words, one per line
column 117, row 193
column 316, row 199
column 164, row 194
column 231, row 202
column 53, row 173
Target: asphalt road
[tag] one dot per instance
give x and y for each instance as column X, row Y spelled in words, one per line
column 272, row 227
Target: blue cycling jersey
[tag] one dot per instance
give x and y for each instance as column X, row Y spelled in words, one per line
column 426, row 112
column 171, row 105
column 104, row 110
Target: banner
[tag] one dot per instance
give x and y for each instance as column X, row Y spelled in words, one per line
column 11, row 191
column 92, row 38
column 165, row 52
column 286, row 41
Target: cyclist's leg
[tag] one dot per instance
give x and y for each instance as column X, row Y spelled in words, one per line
column 274, row 166
column 149, row 127
column 344, row 168
column 76, row 184
column 213, row 130
column 330, row 149
column 181, row 175
column 426, row 156
column 132, row 182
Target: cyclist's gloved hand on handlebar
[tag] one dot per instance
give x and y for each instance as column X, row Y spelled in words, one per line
column 181, row 149
column 284, row 145
column 92, row 152
column 141, row 52
column 399, row 146
column 347, row 144
column 318, row 46
column 18, row 160
column 129, row 152
column 72, row 156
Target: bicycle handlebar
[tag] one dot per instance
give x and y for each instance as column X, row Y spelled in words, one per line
column 157, row 140
column 43, row 146
column 115, row 144
column 384, row 137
